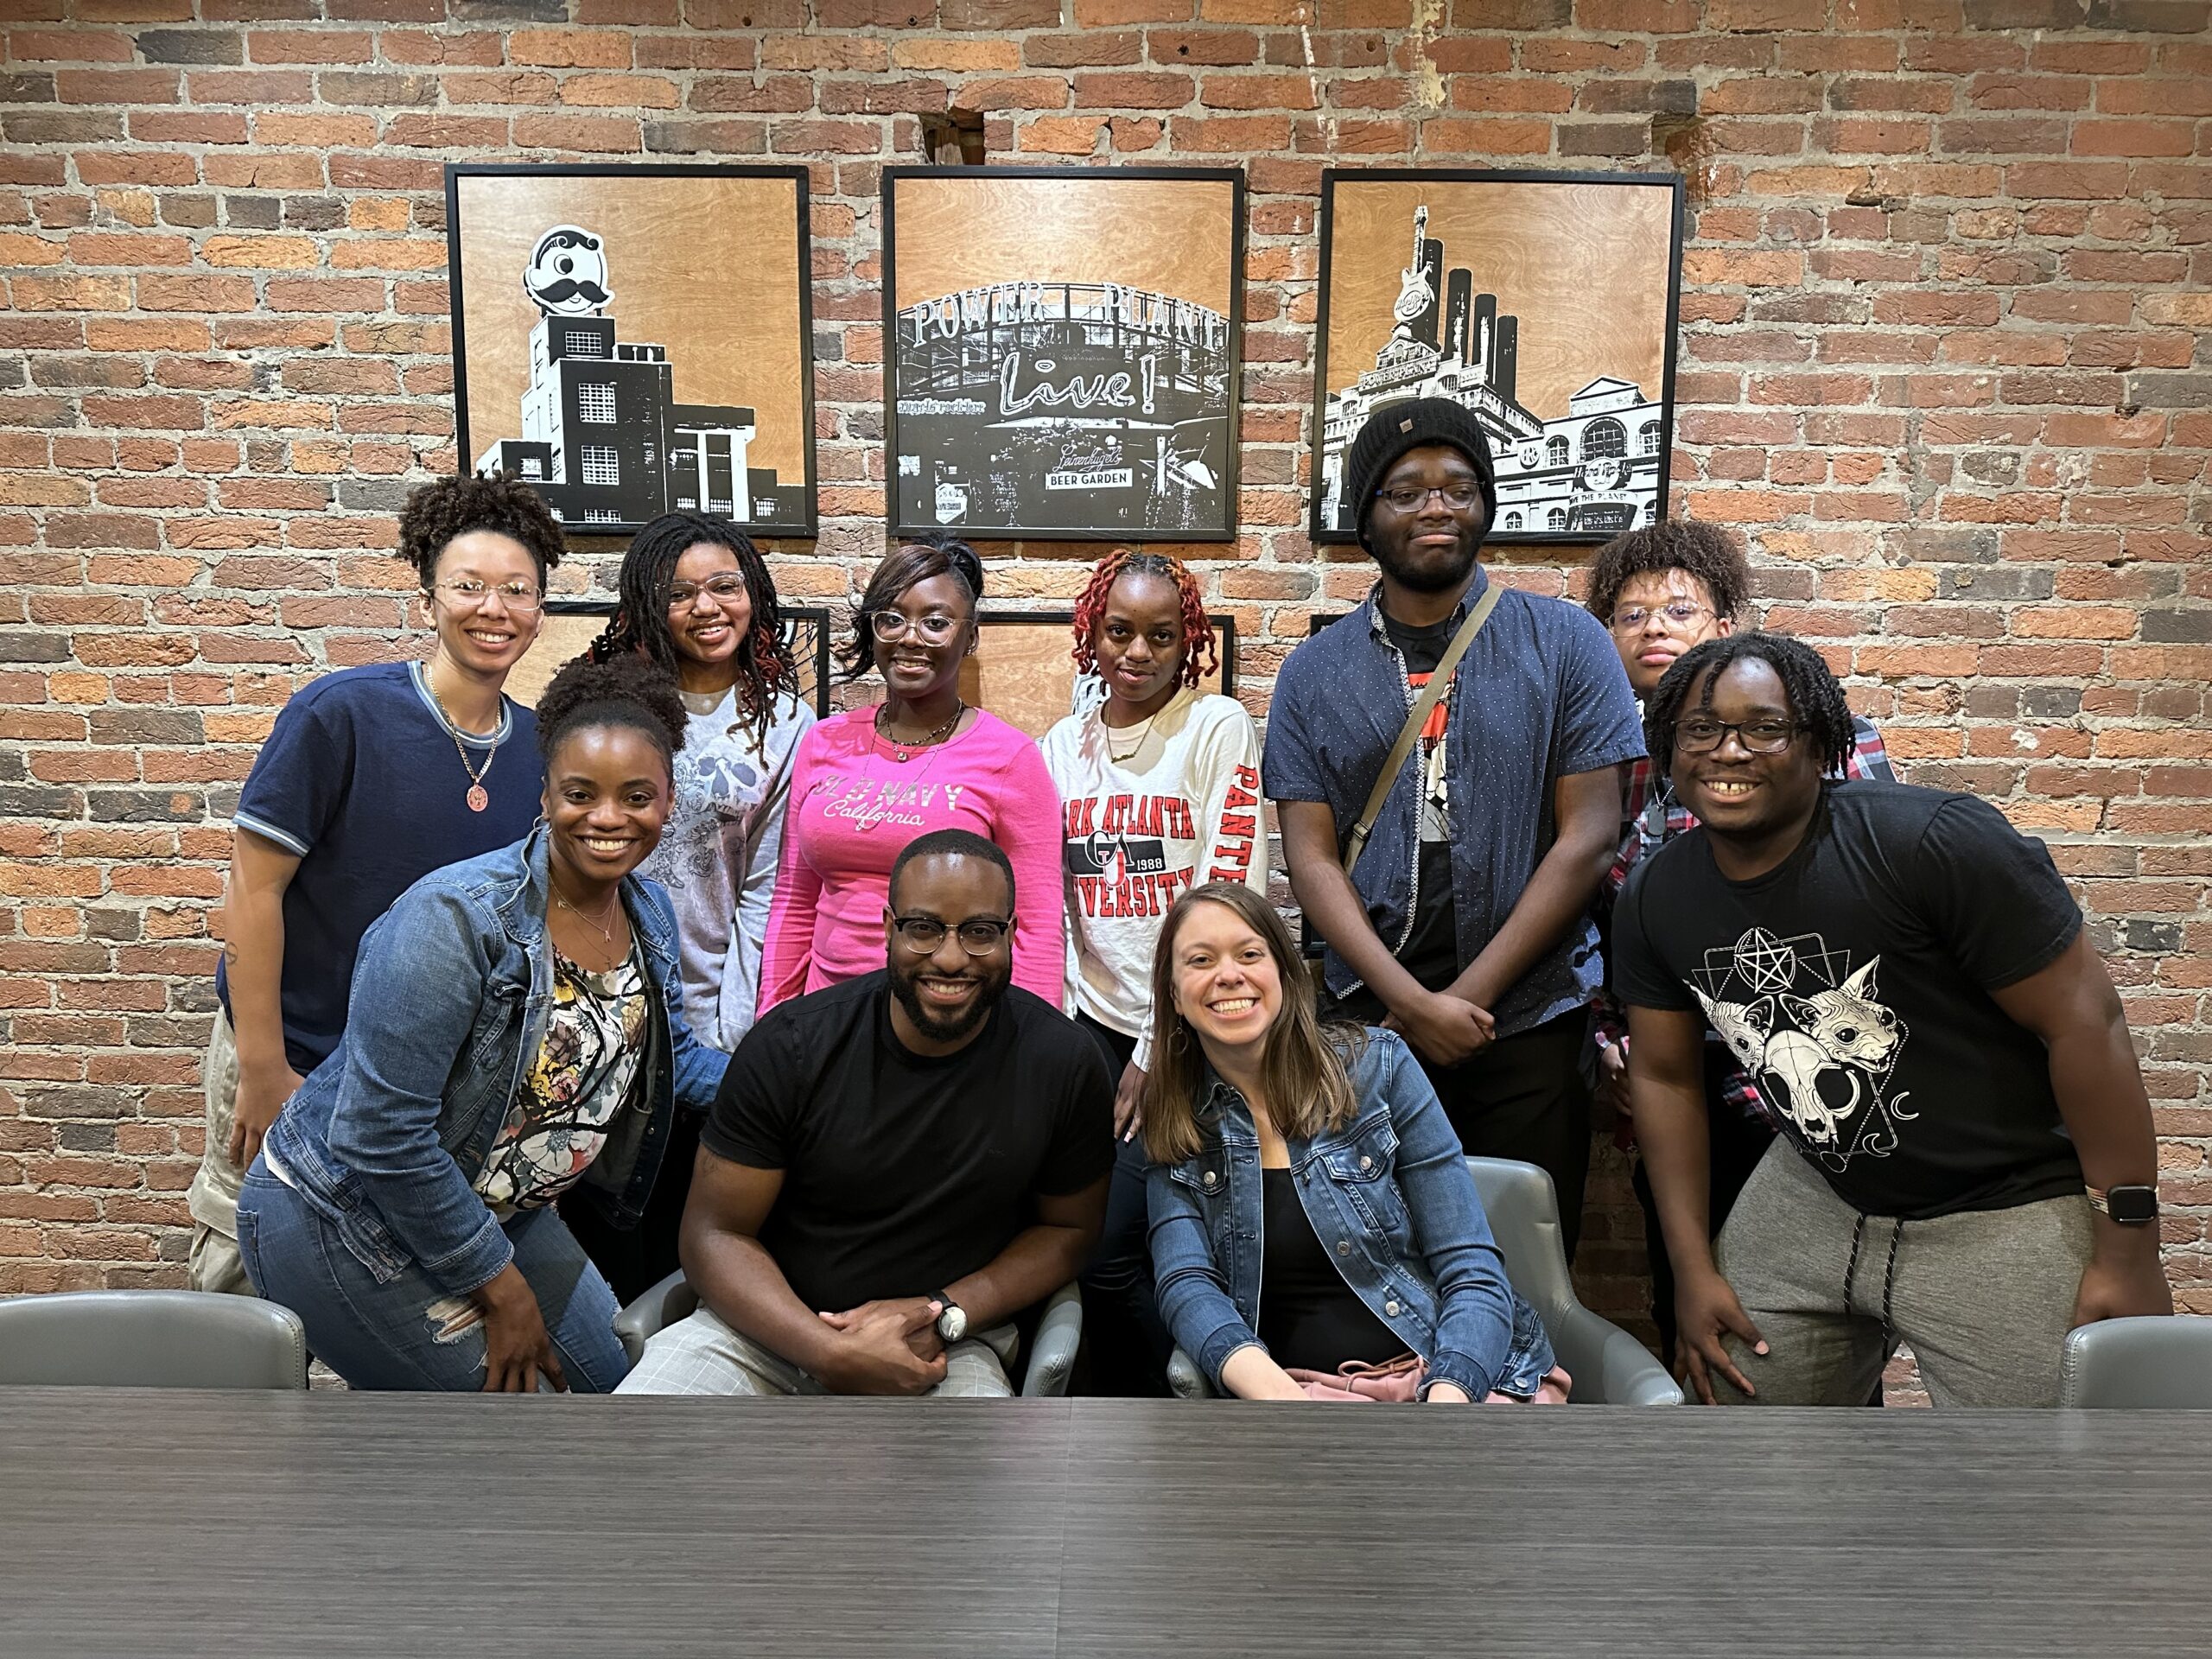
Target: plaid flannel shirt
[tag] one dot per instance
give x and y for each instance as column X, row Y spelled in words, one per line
column 1653, row 817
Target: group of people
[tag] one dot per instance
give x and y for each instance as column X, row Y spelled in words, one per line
column 884, row 1027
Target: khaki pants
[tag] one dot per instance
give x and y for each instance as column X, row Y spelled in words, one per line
column 701, row 1355
column 214, row 1199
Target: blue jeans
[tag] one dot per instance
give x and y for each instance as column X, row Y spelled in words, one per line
column 411, row 1333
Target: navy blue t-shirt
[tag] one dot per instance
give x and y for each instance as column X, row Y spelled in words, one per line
column 361, row 779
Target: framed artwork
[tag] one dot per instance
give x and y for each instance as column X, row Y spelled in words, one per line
column 1062, row 350
column 572, row 624
column 1023, row 673
column 632, row 341
column 1545, row 302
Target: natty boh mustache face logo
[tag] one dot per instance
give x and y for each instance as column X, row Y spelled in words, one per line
column 567, row 273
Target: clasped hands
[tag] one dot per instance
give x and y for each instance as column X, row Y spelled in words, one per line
column 885, row 1347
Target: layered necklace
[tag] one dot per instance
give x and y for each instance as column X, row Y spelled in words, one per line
column 903, row 748
column 604, row 929
column 477, row 797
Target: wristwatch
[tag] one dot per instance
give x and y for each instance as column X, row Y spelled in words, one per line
column 2131, row 1206
column 952, row 1323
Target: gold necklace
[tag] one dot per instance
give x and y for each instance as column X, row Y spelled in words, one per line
column 1141, row 730
column 903, row 747
column 605, row 930
column 477, row 796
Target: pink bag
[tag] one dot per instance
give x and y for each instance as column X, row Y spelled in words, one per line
column 1399, row 1380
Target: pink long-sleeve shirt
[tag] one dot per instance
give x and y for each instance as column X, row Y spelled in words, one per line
column 855, row 805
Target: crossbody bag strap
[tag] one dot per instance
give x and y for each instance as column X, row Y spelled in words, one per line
column 1438, row 680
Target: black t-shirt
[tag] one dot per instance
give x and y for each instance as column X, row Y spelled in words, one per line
column 1431, row 952
column 902, row 1171
column 1309, row 1317
column 1853, row 982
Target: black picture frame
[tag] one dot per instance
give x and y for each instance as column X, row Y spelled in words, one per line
column 571, row 622
column 1565, row 498
column 1193, row 458
column 650, row 457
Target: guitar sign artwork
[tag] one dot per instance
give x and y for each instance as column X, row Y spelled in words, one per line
column 1818, row 1040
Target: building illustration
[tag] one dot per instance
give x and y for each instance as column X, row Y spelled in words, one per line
column 1083, row 406
column 603, row 438
column 1595, row 469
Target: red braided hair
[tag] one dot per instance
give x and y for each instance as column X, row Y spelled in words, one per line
column 1200, row 656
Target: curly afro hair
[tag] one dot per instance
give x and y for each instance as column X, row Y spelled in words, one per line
column 1815, row 696
column 1199, row 651
column 437, row 512
column 630, row 690
column 1707, row 552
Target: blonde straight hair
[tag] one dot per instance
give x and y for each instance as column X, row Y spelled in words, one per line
column 1304, row 1069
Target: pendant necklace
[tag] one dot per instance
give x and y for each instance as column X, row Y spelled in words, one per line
column 1141, row 731
column 903, row 749
column 605, row 930
column 478, row 798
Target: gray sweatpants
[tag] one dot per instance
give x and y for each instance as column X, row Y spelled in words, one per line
column 1985, row 1297
column 701, row 1355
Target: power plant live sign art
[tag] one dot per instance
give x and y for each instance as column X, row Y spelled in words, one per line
column 634, row 340
column 1545, row 302
column 1064, row 350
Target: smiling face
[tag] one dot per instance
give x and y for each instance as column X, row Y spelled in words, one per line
column 1139, row 642
column 1432, row 548
column 912, row 667
column 607, row 798
column 1736, row 793
column 710, row 607
column 484, row 636
column 1648, row 647
column 1227, row 985
column 944, row 993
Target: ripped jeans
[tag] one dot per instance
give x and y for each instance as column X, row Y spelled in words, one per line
column 410, row 1333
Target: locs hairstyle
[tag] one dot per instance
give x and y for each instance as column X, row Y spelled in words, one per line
column 437, row 512
column 1816, row 699
column 1708, row 552
column 904, row 565
column 1306, row 1066
column 1200, row 655
column 767, row 669
column 630, row 690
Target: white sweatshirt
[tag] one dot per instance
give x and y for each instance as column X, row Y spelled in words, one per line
column 1183, row 810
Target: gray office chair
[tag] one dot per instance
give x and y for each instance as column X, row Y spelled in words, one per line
column 1051, row 1357
column 151, row 1339
column 2140, row 1364
column 1609, row 1366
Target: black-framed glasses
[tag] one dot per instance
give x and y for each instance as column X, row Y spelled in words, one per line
column 469, row 593
column 1701, row 734
column 1681, row 614
column 721, row 589
column 934, row 629
column 979, row 935
column 1411, row 497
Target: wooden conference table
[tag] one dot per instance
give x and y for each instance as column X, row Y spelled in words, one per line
column 136, row 1523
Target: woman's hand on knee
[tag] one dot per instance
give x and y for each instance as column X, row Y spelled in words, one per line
column 516, row 1346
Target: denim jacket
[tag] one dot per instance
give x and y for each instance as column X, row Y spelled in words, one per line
column 450, row 1001
column 1389, row 1194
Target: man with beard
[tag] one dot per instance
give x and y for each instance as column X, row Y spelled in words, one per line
column 896, row 1165
column 1465, row 922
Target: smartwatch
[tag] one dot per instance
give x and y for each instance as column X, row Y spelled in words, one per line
column 2131, row 1206
column 952, row 1323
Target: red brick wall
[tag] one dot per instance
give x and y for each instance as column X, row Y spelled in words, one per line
column 1942, row 359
